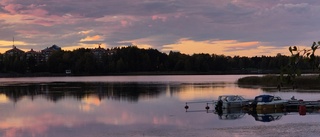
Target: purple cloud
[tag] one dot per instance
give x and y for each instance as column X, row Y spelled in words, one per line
column 158, row 23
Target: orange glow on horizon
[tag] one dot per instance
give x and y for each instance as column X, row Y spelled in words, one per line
column 218, row 47
column 7, row 45
column 225, row 47
column 92, row 38
column 81, row 45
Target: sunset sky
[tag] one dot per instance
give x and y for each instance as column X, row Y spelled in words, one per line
column 229, row 27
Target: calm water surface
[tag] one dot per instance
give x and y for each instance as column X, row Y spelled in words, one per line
column 139, row 106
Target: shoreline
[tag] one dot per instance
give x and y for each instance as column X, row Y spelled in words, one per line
column 47, row 74
column 311, row 81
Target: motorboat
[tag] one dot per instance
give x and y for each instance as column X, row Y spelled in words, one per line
column 263, row 102
column 231, row 101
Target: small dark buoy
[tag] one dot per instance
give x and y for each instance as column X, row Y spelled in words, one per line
column 207, row 107
column 186, row 107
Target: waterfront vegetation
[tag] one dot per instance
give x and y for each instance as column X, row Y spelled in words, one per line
column 291, row 74
column 276, row 81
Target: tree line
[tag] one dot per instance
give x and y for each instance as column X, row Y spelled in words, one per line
column 132, row 59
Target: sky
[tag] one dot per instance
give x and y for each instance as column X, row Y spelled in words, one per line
column 228, row 27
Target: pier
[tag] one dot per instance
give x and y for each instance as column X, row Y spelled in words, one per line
column 261, row 105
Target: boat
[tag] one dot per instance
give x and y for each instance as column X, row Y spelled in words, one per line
column 263, row 102
column 231, row 101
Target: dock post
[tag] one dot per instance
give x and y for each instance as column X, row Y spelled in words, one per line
column 302, row 110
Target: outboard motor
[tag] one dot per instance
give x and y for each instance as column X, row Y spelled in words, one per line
column 253, row 105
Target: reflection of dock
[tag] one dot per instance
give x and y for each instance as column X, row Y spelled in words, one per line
column 308, row 104
column 262, row 115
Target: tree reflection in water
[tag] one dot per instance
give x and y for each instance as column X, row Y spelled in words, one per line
column 56, row 91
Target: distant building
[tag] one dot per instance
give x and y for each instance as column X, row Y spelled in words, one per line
column 48, row 51
column 33, row 54
column 99, row 52
column 68, row 71
column 111, row 51
column 14, row 52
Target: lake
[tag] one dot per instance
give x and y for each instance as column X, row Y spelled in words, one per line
column 137, row 106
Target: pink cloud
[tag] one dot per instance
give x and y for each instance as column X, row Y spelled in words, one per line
column 11, row 133
column 31, row 32
column 44, row 22
column 36, row 12
column 158, row 17
column 13, row 8
column 26, row 10
column 124, row 23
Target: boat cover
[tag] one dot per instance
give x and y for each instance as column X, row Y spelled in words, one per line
column 264, row 98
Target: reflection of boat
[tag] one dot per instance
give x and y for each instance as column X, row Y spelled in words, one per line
column 231, row 101
column 231, row 114
column 267, row 115
column 268, row 102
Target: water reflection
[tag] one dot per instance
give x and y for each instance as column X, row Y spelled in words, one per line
column 131, row 92
column 123, row 108
column 267, row 115
column 40, row 109
column 56, row 91
column 231, row 114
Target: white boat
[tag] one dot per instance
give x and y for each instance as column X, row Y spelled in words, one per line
column 264, row 102
column 231, row 101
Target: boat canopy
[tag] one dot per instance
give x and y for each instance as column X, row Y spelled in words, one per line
column 231, row 98
column 264, row 98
